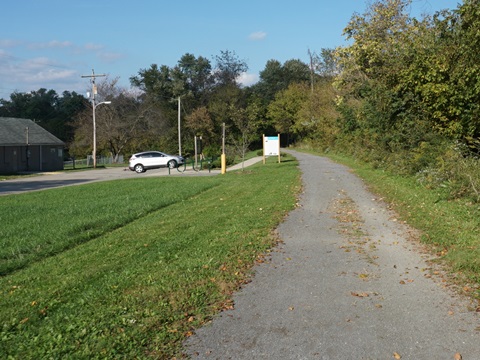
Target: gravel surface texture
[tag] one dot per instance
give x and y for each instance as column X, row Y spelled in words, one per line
column 346, row 282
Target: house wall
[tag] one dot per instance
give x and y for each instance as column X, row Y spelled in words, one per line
column 32, row 158
column 50, row 157
column 9, row 159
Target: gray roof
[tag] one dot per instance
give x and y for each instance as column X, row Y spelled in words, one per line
column 13, row 132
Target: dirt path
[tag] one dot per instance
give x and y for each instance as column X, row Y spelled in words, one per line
column 345, row 284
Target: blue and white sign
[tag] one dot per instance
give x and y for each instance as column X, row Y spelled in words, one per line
column 271, row 145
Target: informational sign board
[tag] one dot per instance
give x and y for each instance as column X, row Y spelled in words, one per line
column 271, row 146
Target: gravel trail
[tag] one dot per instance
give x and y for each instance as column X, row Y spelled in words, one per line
column 345, row 283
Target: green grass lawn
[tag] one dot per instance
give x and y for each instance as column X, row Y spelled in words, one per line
column 128, row 268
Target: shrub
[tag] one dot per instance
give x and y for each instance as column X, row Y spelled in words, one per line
column 457, row 170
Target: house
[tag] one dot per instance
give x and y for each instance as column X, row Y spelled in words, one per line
column 26, row 146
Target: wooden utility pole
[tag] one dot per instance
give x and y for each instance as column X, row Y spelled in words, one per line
column 92, row 98
column 179, row 129
column 312, row 72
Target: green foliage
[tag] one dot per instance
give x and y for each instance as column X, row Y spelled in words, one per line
column 455, row 171
column 284, row 110
column 276, row 77
column 228, row 68
column 53, row 112
column 408, row 89
column 136, row 289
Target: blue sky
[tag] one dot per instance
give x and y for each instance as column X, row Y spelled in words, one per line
column 52, row 43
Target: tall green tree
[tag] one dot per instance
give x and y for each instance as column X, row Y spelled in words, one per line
column 126, row 125
column 53, row 112
column 228, row 68
column 284, row 110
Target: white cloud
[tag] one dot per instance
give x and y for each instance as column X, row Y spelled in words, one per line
column 8, row 43
column 92, row 46
column 54, row 44
column 258, row 35
column 109, row 57
column 247, row 79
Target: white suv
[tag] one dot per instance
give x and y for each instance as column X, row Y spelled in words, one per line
column 143, row 161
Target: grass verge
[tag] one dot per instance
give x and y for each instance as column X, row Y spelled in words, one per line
column 162, row 256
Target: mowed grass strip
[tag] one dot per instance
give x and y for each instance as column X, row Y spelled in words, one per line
column 41, row 224
column 138, row 290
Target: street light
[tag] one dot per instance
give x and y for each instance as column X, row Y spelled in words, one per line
column 94, row 92
column 95, row 130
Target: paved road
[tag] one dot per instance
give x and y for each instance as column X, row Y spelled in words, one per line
column 345, row 284
column 58, row 179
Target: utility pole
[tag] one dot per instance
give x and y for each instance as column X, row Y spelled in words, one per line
column 179, row 133
column 92, row 98
column 27, row 154
column 312, row 70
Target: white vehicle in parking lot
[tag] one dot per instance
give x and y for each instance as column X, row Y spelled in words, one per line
column 143, row 161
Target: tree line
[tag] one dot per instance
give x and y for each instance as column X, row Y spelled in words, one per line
column 404, row 94
column 209, row 93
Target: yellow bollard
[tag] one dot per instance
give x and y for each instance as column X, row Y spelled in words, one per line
column 223, row 159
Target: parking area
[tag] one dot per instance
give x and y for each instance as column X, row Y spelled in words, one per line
column 58, row 179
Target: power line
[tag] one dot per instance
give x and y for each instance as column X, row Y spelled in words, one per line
column 43, row 63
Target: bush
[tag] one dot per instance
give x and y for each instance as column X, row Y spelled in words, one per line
column 457, row 170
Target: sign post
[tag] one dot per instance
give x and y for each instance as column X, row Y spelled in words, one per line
column 271, row 146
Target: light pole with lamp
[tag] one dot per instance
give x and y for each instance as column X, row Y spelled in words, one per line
column 94, row 92
column 95, row 130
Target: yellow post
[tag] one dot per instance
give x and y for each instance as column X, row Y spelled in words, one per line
column 223, row 159
column 263, row 144
column 279, row 148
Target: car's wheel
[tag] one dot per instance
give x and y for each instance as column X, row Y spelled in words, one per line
column 139, row 168
column 172, row 164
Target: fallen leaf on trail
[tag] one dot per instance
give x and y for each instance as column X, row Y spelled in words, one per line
column 402, row 282
column 362, row 294
column 363, row 276
column 450, row 313
column 291, row 308
column 397, row 355
column 378, row 306
column 457, row 356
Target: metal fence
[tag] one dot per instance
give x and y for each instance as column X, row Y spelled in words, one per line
column 88, row 162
